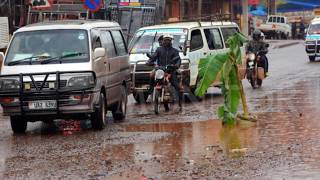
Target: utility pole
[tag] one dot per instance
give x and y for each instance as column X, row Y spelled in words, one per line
column 245, row 18
column 199, row 8
column 182, row 9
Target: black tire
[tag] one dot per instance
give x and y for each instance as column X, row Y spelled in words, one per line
column 166, row 106
column 18, row 124
column 192, row 95
column 312, row 58
column 156, row 103
column 98, row 119
column 119, row 113
column 251, row 79
column 259, row 82
column 140, row 97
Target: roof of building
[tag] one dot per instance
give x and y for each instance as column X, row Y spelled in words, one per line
column 189, row 25
column 68, row 24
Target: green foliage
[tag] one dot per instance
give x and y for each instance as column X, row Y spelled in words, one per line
column 226, row 65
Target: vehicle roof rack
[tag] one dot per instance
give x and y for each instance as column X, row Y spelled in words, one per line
column 211, row 18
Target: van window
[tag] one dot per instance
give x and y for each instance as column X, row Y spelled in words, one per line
column 119, row 43
column 196, row 40
column 228, row 32
column 213, row 38
column 274, row 19
column 278, row 19
column 270, row 19
column 314, row 29
column 146, row 41
column 95, row 36
column 282, row 20
column 40, row 45
column 108, row 43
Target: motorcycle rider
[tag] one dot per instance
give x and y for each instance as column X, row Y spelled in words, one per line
column 167, row 55
column 257, row 44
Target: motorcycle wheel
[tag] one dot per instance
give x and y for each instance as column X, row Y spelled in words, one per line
column 251, row 79
column 157, row 101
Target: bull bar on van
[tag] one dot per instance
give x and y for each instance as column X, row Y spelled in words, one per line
column 18, row 92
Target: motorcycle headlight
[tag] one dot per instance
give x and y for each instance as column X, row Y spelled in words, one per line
column 9, row 84
column 159, row 74
column 185, row 65
column 251, row 56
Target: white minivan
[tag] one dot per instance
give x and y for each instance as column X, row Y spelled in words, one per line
column 194, row 40
column 65, row 69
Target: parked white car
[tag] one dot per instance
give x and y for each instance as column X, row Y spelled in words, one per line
column 276, row 27
column 65, row 69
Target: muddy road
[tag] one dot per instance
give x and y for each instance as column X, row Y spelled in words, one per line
column 192, row 144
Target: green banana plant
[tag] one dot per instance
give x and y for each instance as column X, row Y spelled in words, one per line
column 227, row 65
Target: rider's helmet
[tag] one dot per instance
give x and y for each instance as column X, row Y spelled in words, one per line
column 167, row 36
column 256, row 35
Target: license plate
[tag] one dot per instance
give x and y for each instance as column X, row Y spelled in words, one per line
column 38, row 105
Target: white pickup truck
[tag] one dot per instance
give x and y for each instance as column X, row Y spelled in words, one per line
column 4, row 33
column 276, row 27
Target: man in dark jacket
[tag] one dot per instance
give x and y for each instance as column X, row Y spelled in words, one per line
column 257, row 45
column 167, row 55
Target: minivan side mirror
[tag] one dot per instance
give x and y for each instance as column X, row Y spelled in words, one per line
column 187, row 45
column 267, row 45
column 99, row 52
column 1, row 56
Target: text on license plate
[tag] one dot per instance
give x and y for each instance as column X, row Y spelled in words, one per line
column 49, row 104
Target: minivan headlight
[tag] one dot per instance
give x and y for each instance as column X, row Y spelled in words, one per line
column 185, row 64
column 9, row 84
column 81, row 81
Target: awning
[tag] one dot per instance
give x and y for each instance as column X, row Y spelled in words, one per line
column 298, row 5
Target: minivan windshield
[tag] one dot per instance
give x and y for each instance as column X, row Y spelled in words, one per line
column 146, row 41
column 48, row 46
column 314, row 29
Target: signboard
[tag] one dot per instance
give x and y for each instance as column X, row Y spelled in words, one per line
column 92, row 5
column 130, row 3
column 4, row 32
column 41, row 4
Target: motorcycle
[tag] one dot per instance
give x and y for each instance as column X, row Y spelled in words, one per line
column 255, row 73
column 163, row 91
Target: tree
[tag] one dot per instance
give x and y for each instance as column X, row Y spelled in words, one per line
column 227, row 65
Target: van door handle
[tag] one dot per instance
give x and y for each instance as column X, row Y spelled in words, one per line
column 204, row 53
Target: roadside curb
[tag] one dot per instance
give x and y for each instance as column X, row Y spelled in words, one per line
column 285, row 45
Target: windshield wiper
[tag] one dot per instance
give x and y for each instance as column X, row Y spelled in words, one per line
column 28, row 59
column 59, row 58
column 154, row 39
column 138, row 39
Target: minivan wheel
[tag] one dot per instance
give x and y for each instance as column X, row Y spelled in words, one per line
column 312, row 58
column 98, row 119
column 119, row 113
column 18, row 124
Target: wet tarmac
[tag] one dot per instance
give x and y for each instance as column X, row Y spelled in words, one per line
column 192, row 144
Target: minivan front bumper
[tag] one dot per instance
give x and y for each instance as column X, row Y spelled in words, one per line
column 51, row 96
column 313, row 47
